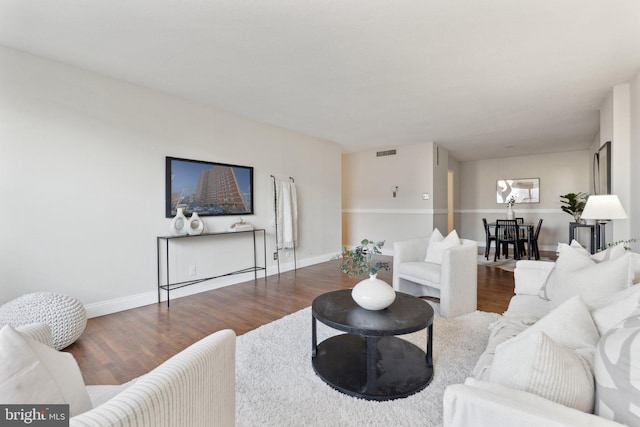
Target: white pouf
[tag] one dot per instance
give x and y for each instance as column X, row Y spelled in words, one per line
column 65, row 315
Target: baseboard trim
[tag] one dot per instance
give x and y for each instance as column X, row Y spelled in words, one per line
column 129, row 302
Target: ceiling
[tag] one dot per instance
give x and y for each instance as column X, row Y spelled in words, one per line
column 482, row 78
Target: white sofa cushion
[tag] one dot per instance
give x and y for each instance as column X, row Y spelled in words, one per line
column 610, row 253
column 509, row 325
column 536, row 364
column 617, row 372
column 570, row 325
column 576, row 274
column 612, row 310
column 439, row 244
column 36, row 374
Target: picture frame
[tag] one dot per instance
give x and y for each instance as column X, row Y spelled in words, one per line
column 523, row 190
column 208, row 188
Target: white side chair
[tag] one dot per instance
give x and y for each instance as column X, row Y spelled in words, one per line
column 455, row 281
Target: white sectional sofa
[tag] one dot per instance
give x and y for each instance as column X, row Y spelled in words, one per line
column 565, row 353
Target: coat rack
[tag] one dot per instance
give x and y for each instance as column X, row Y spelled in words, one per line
column 275, row 214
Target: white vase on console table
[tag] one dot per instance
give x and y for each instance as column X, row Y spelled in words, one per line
column 178, row 226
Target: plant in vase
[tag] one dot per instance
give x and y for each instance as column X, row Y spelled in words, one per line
column 371, row 293
column 510, row 202
column 573, row 204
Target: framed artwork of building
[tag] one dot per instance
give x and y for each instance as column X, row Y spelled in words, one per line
column 208, row 188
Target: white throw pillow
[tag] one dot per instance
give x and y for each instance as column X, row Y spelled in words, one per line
column 617, row 373
column 569, row 325
column 33, row 373
column 608, row 254
column 538, row 365
column 612, row 310
column 576, row 274
column 439, row 244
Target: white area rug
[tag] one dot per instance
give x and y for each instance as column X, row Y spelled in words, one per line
column 503, row 263
column 276, row 384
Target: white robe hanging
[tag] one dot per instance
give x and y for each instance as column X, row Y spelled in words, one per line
column 287, row 216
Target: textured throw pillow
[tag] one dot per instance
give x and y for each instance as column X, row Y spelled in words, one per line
column 33, row 373
column 617, row 372
column 576, row 274
column 536, row 364
column 439, row 244
column 608, row 312
column 569, row 325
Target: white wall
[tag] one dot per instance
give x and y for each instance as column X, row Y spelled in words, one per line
column 615, row 126
column 634, row 178
column 82, row 177
column 369, row 208
column 559, row 173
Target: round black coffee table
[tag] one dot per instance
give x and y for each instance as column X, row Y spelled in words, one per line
column 369, row 361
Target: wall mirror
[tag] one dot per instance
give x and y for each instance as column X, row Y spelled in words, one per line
column 602, row 170
column 523, row 190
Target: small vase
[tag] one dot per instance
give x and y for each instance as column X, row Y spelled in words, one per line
column 510, row 213
column 195, row 226
column 178, row 226
column 373, row 294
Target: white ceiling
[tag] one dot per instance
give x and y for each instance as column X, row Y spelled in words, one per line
column 482, row 78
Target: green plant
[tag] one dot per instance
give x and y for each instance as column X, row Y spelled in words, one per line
column 573, row 204
column 358, row 261
column 625, row 243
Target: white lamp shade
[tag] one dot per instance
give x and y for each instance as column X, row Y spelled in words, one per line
column 603, row 207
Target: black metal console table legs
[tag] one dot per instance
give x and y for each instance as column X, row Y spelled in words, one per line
column 168, row 286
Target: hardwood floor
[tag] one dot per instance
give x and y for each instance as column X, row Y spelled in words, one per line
column 121, row 346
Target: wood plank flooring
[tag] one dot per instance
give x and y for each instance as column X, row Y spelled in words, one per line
column 121, row 346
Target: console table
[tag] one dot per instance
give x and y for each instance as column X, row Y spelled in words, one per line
column 168, row 286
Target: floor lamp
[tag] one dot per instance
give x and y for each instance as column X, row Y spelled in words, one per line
column 603, row 208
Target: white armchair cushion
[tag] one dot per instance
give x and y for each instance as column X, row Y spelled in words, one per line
column 538, row 365
column 439, row 244
column 617, row 373
column 33, row 373
column 421, row 271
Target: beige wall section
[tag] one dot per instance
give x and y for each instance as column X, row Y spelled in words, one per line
column 82, row 167
column 559, row 173
column 369, row 208
column 634, row 178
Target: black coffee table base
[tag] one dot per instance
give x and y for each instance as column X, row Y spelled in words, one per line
column 373, row 368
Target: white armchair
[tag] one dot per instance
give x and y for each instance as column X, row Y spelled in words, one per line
column 455, row 281
column 196, row 387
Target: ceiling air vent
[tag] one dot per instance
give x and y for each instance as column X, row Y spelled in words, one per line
column 386, row 153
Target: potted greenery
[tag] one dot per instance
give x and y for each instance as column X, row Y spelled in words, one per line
column 573, row 204
column 357, row 262
column 371, row 293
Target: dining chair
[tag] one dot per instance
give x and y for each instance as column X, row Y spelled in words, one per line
column 490, row 237
column 534, row 241
column 506, row 234
column 523, row 234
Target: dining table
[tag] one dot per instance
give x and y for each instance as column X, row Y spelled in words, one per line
column 527, row 227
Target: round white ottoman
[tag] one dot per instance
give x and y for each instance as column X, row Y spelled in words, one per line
column 65, row 315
